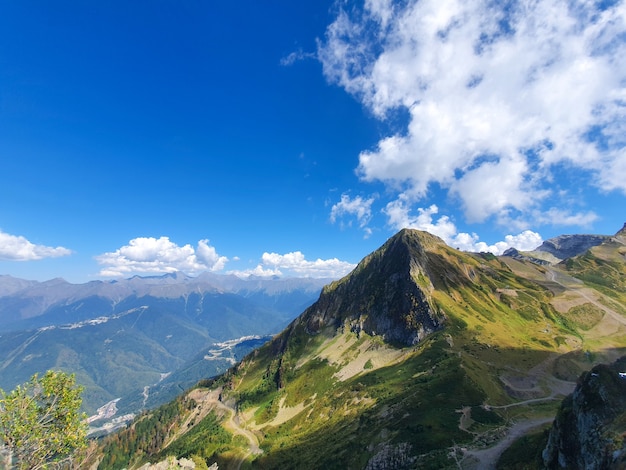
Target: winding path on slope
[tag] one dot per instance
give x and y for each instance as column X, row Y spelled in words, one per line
column 209, row 400
column 576, row 285
column 232, row 424
column 478, row 459
column 486, row 459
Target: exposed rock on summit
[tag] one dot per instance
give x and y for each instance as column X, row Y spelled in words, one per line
column 621, row 234
column 516, row 254
column 386, row 294
column 567, row 246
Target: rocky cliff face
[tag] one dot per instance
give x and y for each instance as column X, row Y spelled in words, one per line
column 621, row 234
column 567, row 246
column 588, row 431
column 381, row 296
column 516, row 254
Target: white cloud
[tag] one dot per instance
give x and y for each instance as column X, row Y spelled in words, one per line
column 296, row 56
column 207, row 255
column 258, row 271
column 296, row 264
column 480, row 200
column 400, row 217
column 398, row 213
column 18, row 248
column 555, row 216
column 160, row 255
column 145, row 255
column 525, row 241
column 357, row 207
column 497, row 95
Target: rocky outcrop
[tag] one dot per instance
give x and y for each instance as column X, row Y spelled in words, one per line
column 518, row 255
column 621, row 234
column 588, row 430
column 567, row 246
column 172, row 463
column 392, row 457
column 381, row 296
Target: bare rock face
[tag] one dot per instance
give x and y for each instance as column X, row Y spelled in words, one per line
column 567, row 246
column 621, row 234
column 516, row 254
column 381, row 296
column 391, row 457
column 171, row 463
column 587, row 432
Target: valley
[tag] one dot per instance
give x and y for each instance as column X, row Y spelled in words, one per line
column 137, row 343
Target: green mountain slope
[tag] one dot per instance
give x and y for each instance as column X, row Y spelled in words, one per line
column 422, row 357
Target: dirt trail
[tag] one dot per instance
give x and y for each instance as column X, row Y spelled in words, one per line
column 209, row 400
column 487, row 458
column 478, row 459
column 577, row 286
column 233, row 425
column 465, row 421
column 540, row 373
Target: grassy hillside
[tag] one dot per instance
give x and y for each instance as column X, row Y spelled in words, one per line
column 499, row 343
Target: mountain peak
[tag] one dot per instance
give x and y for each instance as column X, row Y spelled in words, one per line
column 381, row 296
column 568, row 246
column 416, row 241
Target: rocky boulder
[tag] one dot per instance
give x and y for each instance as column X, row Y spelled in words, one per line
column 588, row 431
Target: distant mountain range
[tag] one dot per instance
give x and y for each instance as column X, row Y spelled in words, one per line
column 27, row 304
column 555, row 250
column 422, row 357
column 119, row 337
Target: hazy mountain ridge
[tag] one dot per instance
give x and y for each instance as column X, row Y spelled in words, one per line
column 10, row 285
column 338, row 390
column 557, row 249
column 119, row 336
column 22, row 300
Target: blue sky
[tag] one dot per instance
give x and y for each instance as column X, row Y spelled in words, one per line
column 293, row 138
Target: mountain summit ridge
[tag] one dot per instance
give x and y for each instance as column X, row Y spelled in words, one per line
column 567, row 246
column 381, row 297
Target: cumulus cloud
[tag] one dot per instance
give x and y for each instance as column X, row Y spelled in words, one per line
column 207, row 256
column 499, row 96
column 357, row 207
column 18, row 248
column 400, row 216
column 160, row 255
column 296, row 264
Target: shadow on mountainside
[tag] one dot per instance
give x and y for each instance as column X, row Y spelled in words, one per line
column 415, row 420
